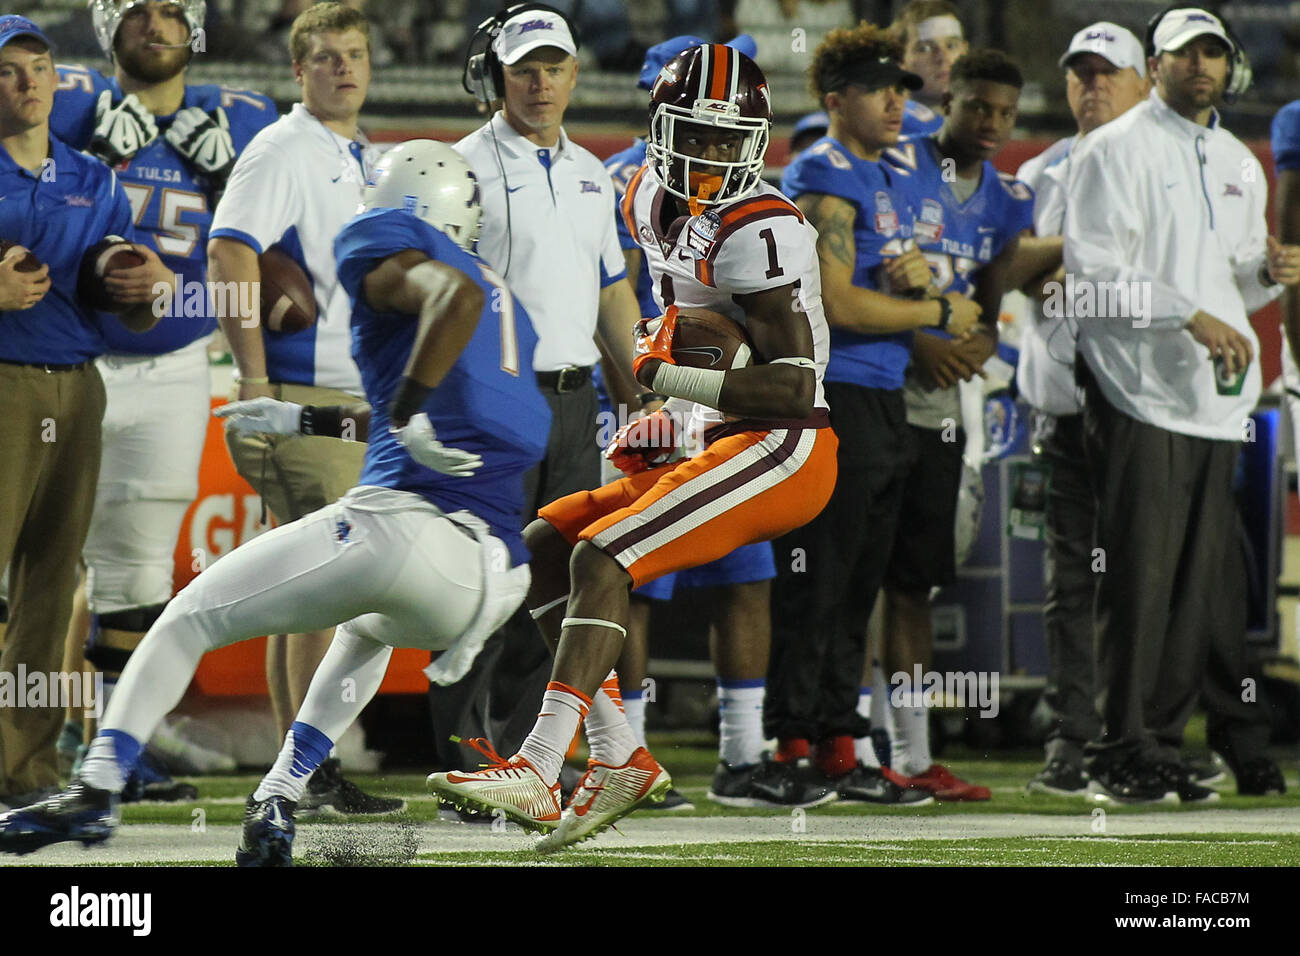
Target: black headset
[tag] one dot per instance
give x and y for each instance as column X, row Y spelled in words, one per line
column 482, row 75
column 1239, row 72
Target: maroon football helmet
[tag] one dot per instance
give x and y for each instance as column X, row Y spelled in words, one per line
column 715, row 87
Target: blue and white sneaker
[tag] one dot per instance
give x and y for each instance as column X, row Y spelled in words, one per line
column 268, row 832
column 81, row 812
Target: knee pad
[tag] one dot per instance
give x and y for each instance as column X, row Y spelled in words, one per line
column 138, row 619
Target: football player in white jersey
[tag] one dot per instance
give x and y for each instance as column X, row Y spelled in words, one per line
column 714, row 237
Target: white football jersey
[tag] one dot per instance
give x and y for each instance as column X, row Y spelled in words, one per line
column 760, row 242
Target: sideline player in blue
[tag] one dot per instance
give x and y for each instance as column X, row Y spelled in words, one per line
column 172, row 146
column 874, row 285
column 740, row 605
column 968, row 221
column 425, row 552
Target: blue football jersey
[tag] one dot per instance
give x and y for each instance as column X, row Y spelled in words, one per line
column 919, row 120
column 622, row 167
column 171, row 205
column 488, row 403
column 1286, row 137
column 960, row 238
column 881, row 227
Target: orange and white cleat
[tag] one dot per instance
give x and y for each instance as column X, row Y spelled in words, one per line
column 605, row 795
column 511, row 786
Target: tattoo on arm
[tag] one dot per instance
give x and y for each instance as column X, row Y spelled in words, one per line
column 833, row 220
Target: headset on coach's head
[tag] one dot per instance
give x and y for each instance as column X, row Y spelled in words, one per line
column 482, row 76
column 1239, row 72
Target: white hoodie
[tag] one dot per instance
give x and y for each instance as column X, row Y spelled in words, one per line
column 1158, row 200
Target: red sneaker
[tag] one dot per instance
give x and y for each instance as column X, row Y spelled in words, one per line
column 941, row 782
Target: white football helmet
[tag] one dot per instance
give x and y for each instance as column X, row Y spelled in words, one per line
column 107, row 17
column 432, row 181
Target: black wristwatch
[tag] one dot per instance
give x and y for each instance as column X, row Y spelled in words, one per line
column 945, row 313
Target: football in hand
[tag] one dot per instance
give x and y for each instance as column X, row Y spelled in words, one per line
column 288, row 302
column 108, row 255
column 707, row 339
column 27, row 263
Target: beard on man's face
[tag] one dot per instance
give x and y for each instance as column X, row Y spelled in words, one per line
column 153, row 66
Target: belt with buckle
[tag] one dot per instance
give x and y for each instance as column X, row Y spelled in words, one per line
column 565, row 379
column 47, row 366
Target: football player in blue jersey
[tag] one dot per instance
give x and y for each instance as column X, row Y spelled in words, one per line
column 172, row 145
column 425, row 552
column 932, row 39
column 874, row 288
column 968, row 222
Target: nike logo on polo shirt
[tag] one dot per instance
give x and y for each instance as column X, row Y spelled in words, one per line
column 513, row 189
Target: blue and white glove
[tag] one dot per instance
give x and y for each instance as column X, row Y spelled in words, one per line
column 266, row 416
column 203, row 140
column 121, row 131
column 418, row 438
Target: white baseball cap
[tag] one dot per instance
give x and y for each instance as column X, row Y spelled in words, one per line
column 1179, row 27
column 1111, row 42
column 525, row 32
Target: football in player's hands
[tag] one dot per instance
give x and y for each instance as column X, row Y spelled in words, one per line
column 267, row 416
column 643, row 443
column 26, row 262
column 108, row 255
column 706, row 339
column 421, row 442
column 287, row 299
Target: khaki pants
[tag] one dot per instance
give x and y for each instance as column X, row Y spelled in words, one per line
column 49, row 464
column 298, row 474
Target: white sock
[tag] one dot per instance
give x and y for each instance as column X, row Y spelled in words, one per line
column 911, row 737
column 634, row 709
column 740, row 709
column 563, row 708
column 863, row 747
column 608, row 733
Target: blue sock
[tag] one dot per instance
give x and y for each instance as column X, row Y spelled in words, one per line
column 305, row 748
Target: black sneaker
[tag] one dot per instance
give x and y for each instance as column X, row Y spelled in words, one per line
column 674, row 800
column 267, row 839
column 865, row 784
column 1206, row 771
column 80, row 812
column 1181, row 781
column 1060, row 778
column 1260, row 777
column 1128, row 781
column 769, row 783
column 150, row 781
column 329, row 788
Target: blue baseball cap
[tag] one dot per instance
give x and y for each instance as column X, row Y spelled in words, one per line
column 661, row 53
column 13, row 26
column 813, row 121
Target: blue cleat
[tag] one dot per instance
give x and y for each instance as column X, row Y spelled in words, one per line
column 268, row 833
column 81, row 812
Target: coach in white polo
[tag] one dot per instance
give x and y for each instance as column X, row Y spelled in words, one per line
column 1166, row 201
column 548, row 230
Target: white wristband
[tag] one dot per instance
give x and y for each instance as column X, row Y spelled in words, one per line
column 702, row 385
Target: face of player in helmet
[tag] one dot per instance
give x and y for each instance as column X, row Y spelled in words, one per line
column 335, row 75
column 711, row 144
column 537, row 93
column 1098, row 91
column 27, row 81
column 932, row 47
column 1192, row 79
column 152, row 42
column 979, row 116
column 865, row 120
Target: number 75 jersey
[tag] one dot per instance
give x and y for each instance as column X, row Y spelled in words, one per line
column 736, row 248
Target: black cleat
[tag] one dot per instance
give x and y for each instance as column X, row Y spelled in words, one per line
column 674, row 800
column 865, row 784
column 1060, row 778
column 767, row 784
column 1260, row 777
column 1181, row 780
column 1128, row 781
column 267, row 839
column 150, row 781
column 83, row 813
column 329, row 788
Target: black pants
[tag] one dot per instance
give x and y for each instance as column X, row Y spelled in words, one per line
column 1165, row 518
column 1071, row 587
column 499, row 697
column 829, row 571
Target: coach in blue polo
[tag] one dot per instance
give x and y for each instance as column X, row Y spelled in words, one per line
column 55, row 203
